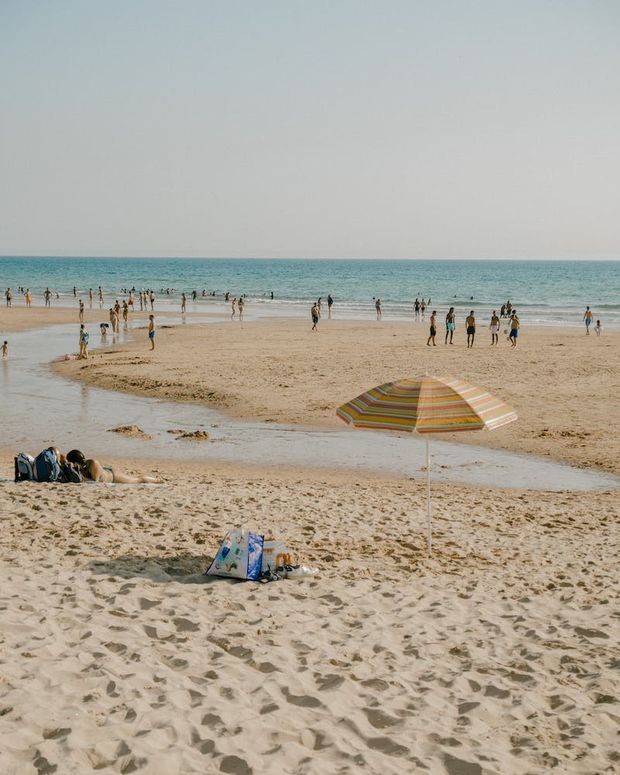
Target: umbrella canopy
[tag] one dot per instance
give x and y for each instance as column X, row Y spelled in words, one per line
column 427, row 405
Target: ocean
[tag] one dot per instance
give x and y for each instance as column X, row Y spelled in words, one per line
column 543, row 292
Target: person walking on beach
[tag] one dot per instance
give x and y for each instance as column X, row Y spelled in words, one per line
column 28, row 297
column 241, row 304
column 494, row 328
column 470, row 326
column 152, row 300
column 125, row 312
column 598, row 327
column 378, row 308
column 314, row 312
column 90, row 298
column 422, row 308
column 81, row 311
column 100, row 297
column 183, row 303
column 514, row 328
column 47, row 296
column 233, row 307
column 5, row 350
column 450, row 325
column 9, row 297
column 433, row 330
column 152, row 331
column 330, row 303
column 84, row 337
column 587, row 316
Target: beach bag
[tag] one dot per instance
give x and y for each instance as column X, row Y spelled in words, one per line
column 24, row 468
column 47, row 468
column 240, row 556
column 70, row 474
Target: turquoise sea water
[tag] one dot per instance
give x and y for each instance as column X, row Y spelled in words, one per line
column 544, row 292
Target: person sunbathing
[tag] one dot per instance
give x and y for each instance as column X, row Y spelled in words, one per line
column 96, row 472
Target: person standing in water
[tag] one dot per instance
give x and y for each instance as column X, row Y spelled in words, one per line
column 241, row 304
column 5, row 350
column 330, row 303
column 494, row 328
column 433, row 330
column 470, row 325
column 81, row 311
column 84, row 337
column 152, row 331
column 587, row 317
column 378, row 308
column 233, row 307
column 514, row 328
column 183, row 303
column 28, row 297
column 450, row 325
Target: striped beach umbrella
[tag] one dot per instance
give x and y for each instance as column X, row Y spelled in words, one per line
column 427, row 405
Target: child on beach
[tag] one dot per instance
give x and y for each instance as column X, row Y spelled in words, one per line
column 5, row 350
column 152, row 331
column 598, row 327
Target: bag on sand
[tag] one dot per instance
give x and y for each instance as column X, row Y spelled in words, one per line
column 46, row 465
column 24, row 468
column 70, row 474
column 240, row 556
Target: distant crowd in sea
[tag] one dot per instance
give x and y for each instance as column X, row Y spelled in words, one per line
column 145, row 299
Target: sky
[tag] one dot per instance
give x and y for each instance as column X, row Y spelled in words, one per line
column 323, row 128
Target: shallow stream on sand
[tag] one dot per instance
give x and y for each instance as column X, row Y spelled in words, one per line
column 39, row 408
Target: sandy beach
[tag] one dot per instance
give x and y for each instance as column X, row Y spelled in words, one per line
column 564, row 385
column 495, row 656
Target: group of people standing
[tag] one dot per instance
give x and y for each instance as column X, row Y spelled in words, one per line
column 470, row 328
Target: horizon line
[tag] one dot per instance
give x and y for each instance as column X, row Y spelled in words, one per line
column 297, row 258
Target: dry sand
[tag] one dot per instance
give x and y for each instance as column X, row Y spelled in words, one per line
column 564, row 385
column 499, row 655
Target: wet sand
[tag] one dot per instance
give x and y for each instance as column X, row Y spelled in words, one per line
column 564, row 385
column 496, row 656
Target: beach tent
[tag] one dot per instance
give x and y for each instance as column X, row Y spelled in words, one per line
column 427, row 405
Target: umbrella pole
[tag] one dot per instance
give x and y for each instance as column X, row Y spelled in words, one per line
column 428, row 497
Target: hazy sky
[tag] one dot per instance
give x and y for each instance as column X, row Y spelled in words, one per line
column 320, row 128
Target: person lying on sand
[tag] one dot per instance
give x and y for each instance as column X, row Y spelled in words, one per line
column 96, row 472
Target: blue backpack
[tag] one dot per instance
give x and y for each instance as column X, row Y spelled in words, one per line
column 46, row 466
